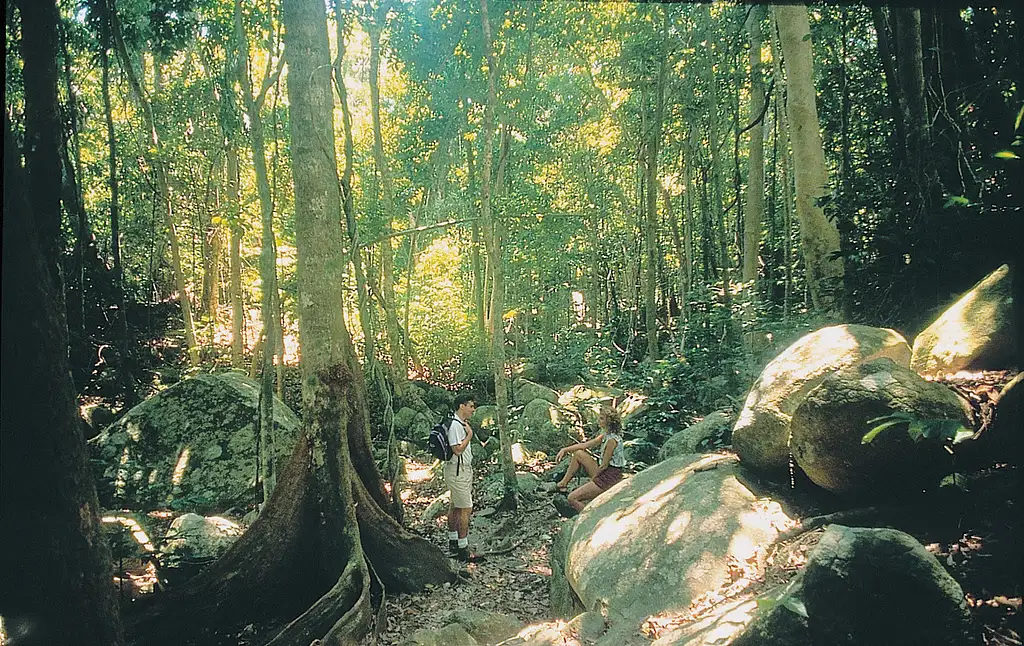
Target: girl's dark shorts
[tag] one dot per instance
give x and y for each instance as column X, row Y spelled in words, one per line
column 608, row 478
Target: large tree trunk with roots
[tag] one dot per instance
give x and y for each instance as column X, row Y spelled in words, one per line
column 55, row 562
column 819, row 236
column 305, row 559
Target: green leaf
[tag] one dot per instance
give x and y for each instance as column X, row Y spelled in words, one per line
column 806, row 37
column 1006, row 154
column 795, row 605
column 1020, row 117
column 873, row 433
column 956, row 200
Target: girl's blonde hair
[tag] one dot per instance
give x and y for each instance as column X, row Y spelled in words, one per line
column 614, row 420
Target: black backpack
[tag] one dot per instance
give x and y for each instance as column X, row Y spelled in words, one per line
column 438, row 442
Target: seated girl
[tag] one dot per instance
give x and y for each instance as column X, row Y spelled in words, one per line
column 603, row 475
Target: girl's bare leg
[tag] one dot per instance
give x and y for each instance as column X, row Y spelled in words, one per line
column 583, row 494
column 580, row 458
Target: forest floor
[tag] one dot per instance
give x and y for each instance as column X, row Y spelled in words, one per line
column 512, row 578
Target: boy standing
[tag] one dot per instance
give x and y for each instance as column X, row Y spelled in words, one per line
column 458, row 476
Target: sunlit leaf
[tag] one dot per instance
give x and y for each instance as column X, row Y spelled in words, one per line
column 1006, row 154
column 873, row 433
column 795, row 605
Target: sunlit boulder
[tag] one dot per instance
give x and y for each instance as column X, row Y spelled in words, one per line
column 761, row 433
column 525, row 391
column 657, row 541
column 828, row 427
column 976, row 332
column 484, row 421
column 190, row 446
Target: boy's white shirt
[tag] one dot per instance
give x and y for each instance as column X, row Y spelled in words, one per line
column 456, row 434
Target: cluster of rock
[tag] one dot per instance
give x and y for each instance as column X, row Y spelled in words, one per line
column 682, row 540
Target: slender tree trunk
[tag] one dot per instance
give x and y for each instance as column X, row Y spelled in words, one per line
column 55, row 562
column 476, row 262
column 121, row 322
column 819, row 237
column 235, row 261
column 269, row 314
column 162, row 186
column 493, row 234
column 885, row 54
column 385, row 198
column 651, row 210
column 348, row 197
column 754, row 212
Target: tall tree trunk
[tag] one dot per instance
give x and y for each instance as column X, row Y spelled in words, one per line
column 476, row 262
column 385, row 199
column 651, row 210
column 123, row 340
column 754, row 212
column 493, row 235
column 269, row 315
column 306, row 556
column 348, row 198
column 56, row 562
column 162, row 185
column 885, row 54
column 235, row 261
column 819, row 237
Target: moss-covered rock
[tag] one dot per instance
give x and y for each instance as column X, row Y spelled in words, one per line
column 192, row 446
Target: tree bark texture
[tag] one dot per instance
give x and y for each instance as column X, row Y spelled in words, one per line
column 753, row 216
column 819, row 237
column 55, row 562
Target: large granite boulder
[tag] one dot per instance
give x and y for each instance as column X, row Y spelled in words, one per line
column 860, row 587
column 829, row 425
column 761, row 433
column 525, row 391
column 671, row 533
column 546, row 427
column 198, row 538
column 696, row 437
column 976, row 332
column 190, row 445
column 486, row 627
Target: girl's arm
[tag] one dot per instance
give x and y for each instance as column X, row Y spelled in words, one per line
column 589, row 444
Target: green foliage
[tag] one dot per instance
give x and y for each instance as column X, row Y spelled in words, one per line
column 946, row 431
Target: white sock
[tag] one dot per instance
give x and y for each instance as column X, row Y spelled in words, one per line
column 453, row 536
column 463, row 542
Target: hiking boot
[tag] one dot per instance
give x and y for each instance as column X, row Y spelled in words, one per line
column 561, row 503
column 453, row 547
column 465, row 556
